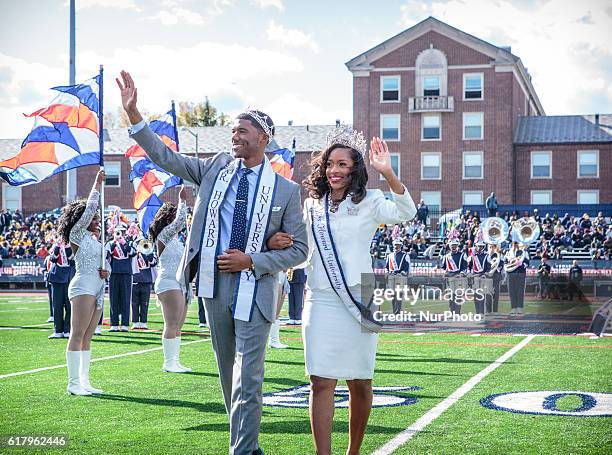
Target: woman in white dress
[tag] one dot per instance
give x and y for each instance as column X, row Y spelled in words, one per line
column 79, row 224
column 338, row 344
column 174, row 297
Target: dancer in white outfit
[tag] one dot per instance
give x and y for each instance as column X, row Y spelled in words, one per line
column 79, row 224
column 174, row 297
column 342, row 217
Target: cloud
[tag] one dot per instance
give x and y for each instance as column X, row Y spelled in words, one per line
column 546, row 38
column 117, row 4
column 174, row 12
column 296, row 107
column 274, row 3
column 291, row 37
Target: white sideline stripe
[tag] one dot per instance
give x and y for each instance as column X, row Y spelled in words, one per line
column 437, row 410
column 26, row 326
column 110, row 357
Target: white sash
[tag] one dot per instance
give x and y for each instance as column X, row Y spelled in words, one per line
column 246, row 286
column 321, row 231
column 392, row 263
column 477, row 266
column 451, row 266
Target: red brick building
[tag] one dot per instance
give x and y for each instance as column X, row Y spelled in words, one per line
column 450, row 106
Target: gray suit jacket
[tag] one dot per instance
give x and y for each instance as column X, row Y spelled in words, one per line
column 288, row 219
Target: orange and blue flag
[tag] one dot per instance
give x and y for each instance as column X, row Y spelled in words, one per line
column 150, row 181
column 66, row 135
column 282, row 161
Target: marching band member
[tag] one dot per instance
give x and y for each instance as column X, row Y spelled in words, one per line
column 283, row 289
column 174, row 296
column 60, row 273
column 398, row 263
column 120, row 253
column 455, row 262
column 496, row 261
column 517, row 260
column 339, row 332
column 142, row 282
column 79, row 224
column 479, row 266
column 297, row 285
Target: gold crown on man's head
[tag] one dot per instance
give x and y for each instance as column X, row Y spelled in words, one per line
column 348, row 137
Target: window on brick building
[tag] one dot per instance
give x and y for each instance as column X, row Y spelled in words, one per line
column 390, row 127
column 472, row 165
column 113, row 173
column 472, row 125
column 432, row 199
column 395, row 165
column 541, row 165
column 588, row 197
column 541, row 197
column 472, row 86
column 390, row 89
column 431, row 127
column 431, row 86
column 588, row 164
column 472, row 198
column 431, row 166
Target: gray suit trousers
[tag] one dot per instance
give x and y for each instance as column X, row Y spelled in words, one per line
column 240, row 350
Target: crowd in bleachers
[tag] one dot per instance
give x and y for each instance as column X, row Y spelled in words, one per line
column 560, row 236
column 26, row 237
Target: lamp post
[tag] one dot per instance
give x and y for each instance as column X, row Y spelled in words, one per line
column 194, row 189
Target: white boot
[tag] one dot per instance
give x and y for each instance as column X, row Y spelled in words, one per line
column 170, row 347
column 73, row 360
column 178, row 354
column 274, row 340
column 85, row 362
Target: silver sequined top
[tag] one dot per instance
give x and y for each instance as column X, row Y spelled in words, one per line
column 171, row 256
column 88, row 257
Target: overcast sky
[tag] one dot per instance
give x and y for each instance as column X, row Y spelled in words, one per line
column 284, row 56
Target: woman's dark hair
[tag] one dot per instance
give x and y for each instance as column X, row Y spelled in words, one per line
column 71, row 213
column 317, row 185
column 164, row 216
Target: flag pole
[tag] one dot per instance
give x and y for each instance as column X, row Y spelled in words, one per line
column 101, row 139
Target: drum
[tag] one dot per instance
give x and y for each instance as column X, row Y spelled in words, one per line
column 454, row 283
column 484, row 283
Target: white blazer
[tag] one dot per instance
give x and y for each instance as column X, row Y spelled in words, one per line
column 353, row 226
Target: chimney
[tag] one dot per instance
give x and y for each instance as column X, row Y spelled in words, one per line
column 337, row 122
column 290, row 123
column 596, row 119
column 307, row 127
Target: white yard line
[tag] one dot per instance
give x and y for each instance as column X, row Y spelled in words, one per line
column 26, row 326
column 100, row 359
column 437, row 410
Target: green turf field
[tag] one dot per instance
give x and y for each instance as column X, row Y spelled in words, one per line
column 147, row 411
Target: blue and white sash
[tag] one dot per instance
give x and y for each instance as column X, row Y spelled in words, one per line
column 322, row 235
column 246, row 286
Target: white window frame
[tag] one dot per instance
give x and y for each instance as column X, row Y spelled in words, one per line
column 533, row 192
column 16, row 189
column 481, row 127
column 399, row 166
column 438, row 193
column 581, row 152
column 586, row 191
column 465, row 75
column 550, row 165
column 439, row 127
column 481, row 166
column 439, row 155
column 463, row 193
column 109, row 164
column 399, row 89
column 439, row 84
column 399, row 127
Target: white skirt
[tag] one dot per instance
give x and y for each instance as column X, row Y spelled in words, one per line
column 165, row 283
column 335, row 344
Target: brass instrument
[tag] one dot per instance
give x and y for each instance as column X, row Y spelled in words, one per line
column 494, row 259
column 290, row 274
column 495, row 230
column 512, row 261
column 144, row 247
column 525, row 231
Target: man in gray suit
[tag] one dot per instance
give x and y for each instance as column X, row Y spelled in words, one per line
column 221, row 232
